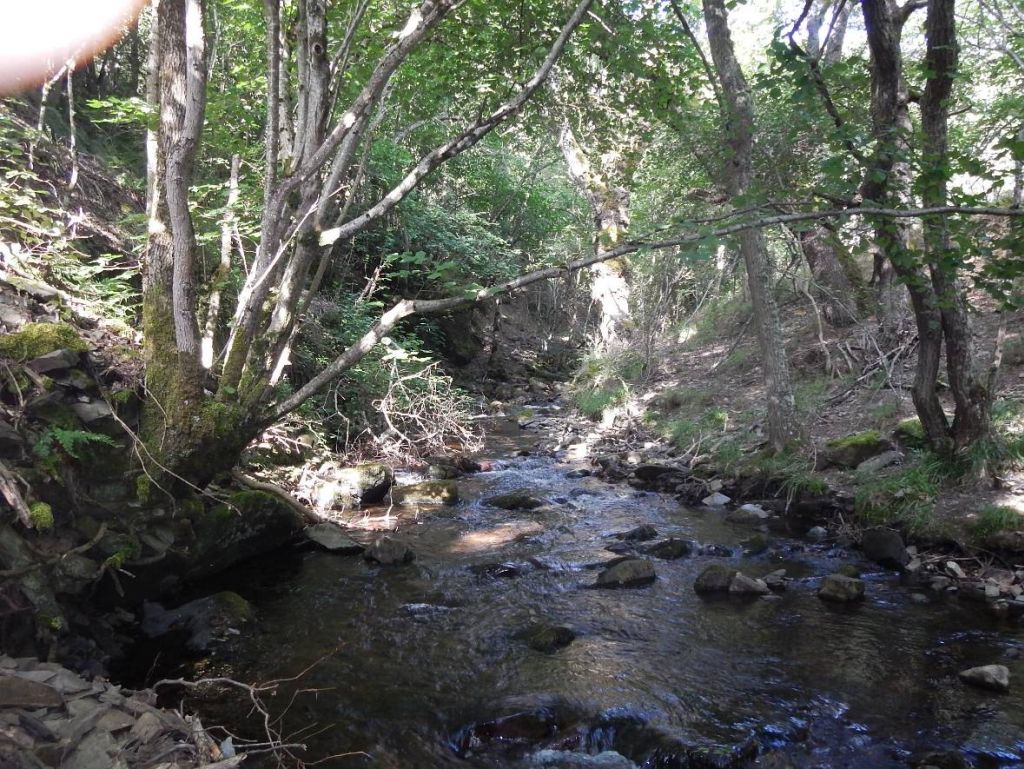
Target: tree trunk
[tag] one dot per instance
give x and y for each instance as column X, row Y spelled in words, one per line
column 833, row 282
column 973, row 398
column 738, row 172
column 609, row 207
column 176, row 422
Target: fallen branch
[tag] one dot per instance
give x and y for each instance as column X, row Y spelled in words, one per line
column 9, row 489
column 270, row 488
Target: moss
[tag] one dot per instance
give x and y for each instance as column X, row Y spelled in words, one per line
column 143, row 487
column 36, row 339
column 41, row 515
column 910, row 432
column 866, row 438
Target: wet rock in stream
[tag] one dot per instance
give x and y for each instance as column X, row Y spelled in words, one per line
column 993, row 677
column 332, row 538
column 204, row 621
column 521, row 499
column 627, row 572
column 389, row 552
column 885, row 547
column 642, row 533
column 436, row 492
column 716, row 578
column 672, row 548
column 564, row 759
column 839, row 589
column 547, row 638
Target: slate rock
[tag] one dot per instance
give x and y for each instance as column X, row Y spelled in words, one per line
column 53, row 362
column 627, row 572
column 993, row 677
column 389, row 552
column 332, row 538
column 716, row 578
column 840, row 589
column 18, row 692
column 885, row 547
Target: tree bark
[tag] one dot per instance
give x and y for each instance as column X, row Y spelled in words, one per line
column 738, row 173
column 833, row 283
column 609, row 206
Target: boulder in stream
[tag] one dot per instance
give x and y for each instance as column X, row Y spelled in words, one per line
column 718, row 499
column 885, row 547
column 993, row 677
column 672, row 548
column 366, row 484
column 520, row 499
column 741, row 584
column 748, row 514
column 389, row 552
column 440, row 492
column 840, row 589
column 716, row 578
column 627, row 572
column 564, row 759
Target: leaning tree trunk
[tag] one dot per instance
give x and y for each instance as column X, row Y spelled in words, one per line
column 738, row 172
column 609, row 206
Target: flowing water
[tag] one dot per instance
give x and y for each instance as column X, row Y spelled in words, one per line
column 426, row 670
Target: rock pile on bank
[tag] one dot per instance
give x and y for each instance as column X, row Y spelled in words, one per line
column 52, row 717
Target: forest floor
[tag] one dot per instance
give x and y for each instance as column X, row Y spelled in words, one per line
column 708, row 396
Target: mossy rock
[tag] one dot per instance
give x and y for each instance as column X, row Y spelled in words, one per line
column 41, row 515
column 427, row 493
column 248, row 524
column 909, row 434
column 851, row 450
column 37, row 339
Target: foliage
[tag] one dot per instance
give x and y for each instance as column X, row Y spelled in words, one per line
column 41, row 515
column 57, row 441
column 993, row 519
column 905, row 496
column 604, row 381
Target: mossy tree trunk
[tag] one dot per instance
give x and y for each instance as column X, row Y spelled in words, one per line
column 180, row 431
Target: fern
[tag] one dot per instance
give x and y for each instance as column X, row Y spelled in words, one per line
column 69, row 442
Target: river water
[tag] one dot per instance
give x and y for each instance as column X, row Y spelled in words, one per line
column 420, row 665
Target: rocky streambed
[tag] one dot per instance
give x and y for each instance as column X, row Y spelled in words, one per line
column 550, row 618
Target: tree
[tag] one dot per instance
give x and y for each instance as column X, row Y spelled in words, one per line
column 738, row 109
column 196, row 421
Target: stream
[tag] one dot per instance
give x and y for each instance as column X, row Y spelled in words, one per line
column 423, row 666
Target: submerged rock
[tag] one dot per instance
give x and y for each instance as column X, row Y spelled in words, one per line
column 840, row 589
column 627, row 572
column 441, row 492
column 564, row 759
column 716, row 578
column 389, row 552
column 331, row 537
column 547, row 638
column 521, row 499
column 993, row 677
column 885, row 547
column 748, row 514
column 642, row 533
column 205, row 620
